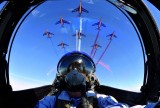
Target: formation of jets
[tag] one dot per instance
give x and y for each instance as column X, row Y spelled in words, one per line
column 80, row 9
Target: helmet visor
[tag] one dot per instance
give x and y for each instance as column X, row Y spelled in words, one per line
column 76, row 60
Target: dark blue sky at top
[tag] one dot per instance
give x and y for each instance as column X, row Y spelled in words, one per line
column 34, row 57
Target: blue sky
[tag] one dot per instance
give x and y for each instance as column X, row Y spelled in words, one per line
column 34, row 57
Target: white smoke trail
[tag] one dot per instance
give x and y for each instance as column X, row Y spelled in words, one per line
column 80, row 30
column 77, row 40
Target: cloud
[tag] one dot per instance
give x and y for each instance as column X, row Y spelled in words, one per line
column 70, row 9
column 37, row 13
column 64, row 30
column 89, row 1
column 41, row 15
column 20, row 82
column 117, row 18
column 26, row 78
column 19, row 85
column 135, row 88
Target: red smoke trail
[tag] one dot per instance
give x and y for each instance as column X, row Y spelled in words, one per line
column 104, row 51
column 94, row 53
column 105, row 66
column 94, row 43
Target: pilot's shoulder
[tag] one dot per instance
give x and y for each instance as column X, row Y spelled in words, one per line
column 47, row 101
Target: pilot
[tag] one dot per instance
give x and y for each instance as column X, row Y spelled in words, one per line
column 75, row 83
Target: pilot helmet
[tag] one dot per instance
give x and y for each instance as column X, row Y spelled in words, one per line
column 76, row 60
column 76, row 69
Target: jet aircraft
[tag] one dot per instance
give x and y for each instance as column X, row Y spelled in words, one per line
column 99, row 23
column 112, row 35
column 80, row 9
column 48, row 34
column 79, row 34
column 62, row 44
column 62, row 21
column 95, row 46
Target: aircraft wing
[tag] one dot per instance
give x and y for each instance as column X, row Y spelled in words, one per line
column 57, row 22
column 44, row 34
column 95, row 24
column 75, row 10
column 60, row 44
column 109, row 35
column 95, row 46
column 99, row 46
column 51, row 33
column 112, row 34
column 115, row 36
column 67, row 22
column 103, row 25
column 83, row 34
column 84, row 10
column 66, row 44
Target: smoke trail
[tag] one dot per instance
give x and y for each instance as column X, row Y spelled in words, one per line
column 77, row 40
column 65, row 51
column 94, row 53
column 105, row 66
column 104, row 51
column 80, row 30
column 79, row 48
column 94, row 44
column 54, row 47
